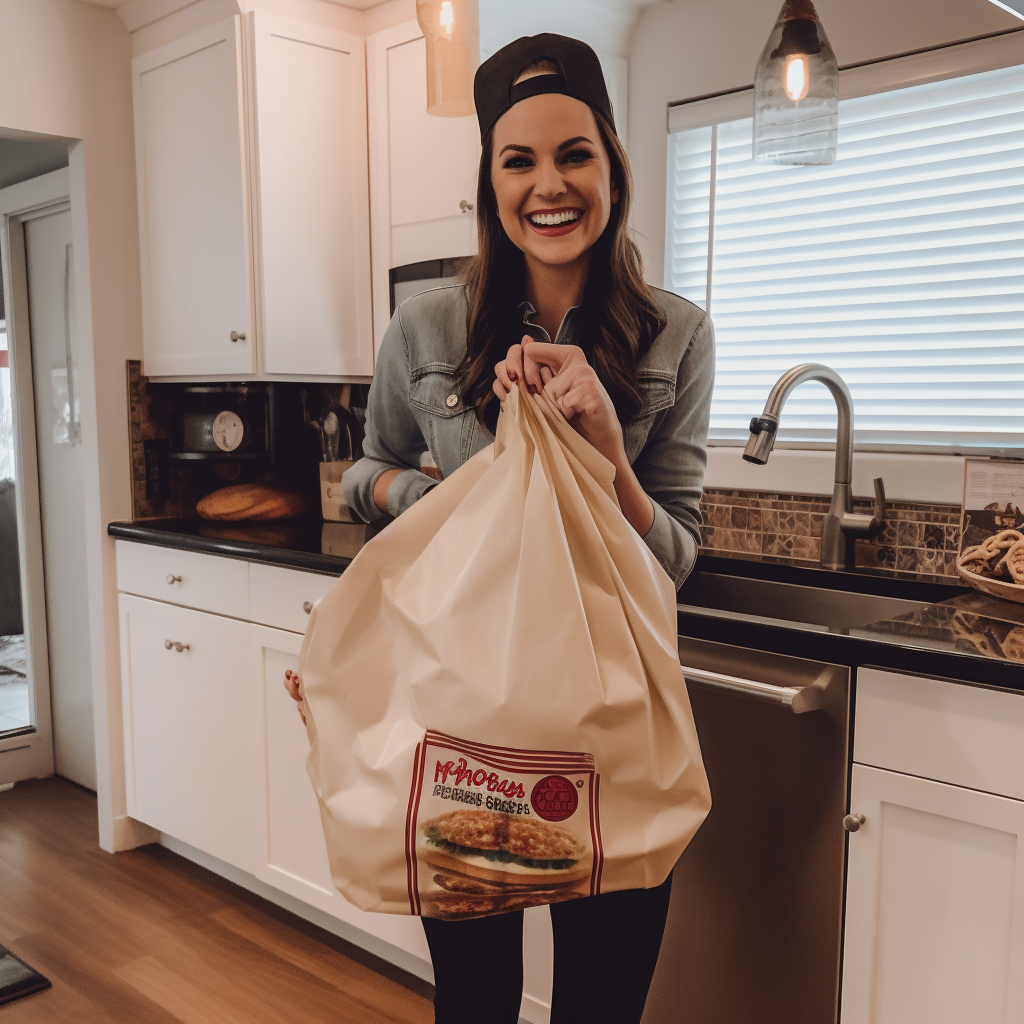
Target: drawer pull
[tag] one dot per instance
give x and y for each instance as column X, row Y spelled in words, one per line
column 238, row 336
column 853, row 822
column 465, row 205
column 307, row 606
column 172, row 579
column 177, row 645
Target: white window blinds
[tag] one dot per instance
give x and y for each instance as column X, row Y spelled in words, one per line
column 901, row 266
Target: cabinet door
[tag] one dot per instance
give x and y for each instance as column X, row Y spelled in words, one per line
column 193, row 728
column 295, row 854
column 309, row 94
column 934, row 904
column 422, row 168
column 193, row 205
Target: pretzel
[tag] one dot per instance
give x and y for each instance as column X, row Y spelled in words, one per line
column 988, row 557
column 1014, row 561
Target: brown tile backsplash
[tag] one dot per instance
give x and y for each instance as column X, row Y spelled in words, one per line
column 919, row 540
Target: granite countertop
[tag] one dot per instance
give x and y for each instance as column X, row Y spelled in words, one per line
column 955, row 633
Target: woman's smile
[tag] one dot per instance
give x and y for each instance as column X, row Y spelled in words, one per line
column 555, row 222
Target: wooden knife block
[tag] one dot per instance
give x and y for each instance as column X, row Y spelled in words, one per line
column 332, row 497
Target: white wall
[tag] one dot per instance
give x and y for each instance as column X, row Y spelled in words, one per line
column 66, row 72
column 686, row 48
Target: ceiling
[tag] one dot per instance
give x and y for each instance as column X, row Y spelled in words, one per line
column 629, row 7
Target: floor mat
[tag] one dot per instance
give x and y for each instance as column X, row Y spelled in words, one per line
column 17, row 979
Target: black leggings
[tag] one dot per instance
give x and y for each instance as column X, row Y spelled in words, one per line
column 606, row 948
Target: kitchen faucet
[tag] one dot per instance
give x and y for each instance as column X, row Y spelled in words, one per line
column 842, row 525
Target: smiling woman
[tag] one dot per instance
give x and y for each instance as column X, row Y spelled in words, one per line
column 555, row 300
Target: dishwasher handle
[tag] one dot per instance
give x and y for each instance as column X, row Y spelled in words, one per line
column 798, row 698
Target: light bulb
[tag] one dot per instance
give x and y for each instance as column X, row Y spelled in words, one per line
column 795, row 77
column 447, row 17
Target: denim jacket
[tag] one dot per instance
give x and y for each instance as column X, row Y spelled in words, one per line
column 415, row 406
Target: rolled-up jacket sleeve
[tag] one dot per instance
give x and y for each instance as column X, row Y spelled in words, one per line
column 671, row 465
column 393, row 437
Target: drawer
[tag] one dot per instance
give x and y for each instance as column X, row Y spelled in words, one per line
column 950, row 732
column 279, row 597
column 208, row 582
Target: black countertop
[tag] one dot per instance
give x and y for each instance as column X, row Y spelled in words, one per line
column 309, row 544
column 957, row 634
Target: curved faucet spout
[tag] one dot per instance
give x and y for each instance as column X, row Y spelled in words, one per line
column 762, row 429
column 842, row 526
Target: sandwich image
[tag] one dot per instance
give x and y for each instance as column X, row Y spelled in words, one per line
column 488, row 851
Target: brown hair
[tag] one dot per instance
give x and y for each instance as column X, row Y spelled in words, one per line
column 618, row 316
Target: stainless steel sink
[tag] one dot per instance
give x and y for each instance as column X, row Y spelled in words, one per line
column 731, row 596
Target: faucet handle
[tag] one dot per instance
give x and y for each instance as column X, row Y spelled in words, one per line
column 878, row 519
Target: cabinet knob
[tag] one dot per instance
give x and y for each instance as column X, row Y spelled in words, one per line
column 171, row 578
column 853, row 822
column 238, row 336
column 307, row 606
column 176, row 645
column 465, row 205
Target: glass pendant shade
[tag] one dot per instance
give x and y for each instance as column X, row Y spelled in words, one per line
column 452, row 31
column 796, row 91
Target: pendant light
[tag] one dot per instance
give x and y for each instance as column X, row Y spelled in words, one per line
column 796, row 91
column 452, row 32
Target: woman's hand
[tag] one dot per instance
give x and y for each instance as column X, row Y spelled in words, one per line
column 562, row 371
column 293, row 685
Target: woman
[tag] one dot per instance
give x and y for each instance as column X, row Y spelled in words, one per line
column 555, row 299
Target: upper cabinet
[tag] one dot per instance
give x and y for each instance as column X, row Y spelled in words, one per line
column 422, row 168
column 311, row 169
column 253, row 202
column 194, row 225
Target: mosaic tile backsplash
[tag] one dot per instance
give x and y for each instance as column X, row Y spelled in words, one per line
column 919, row 541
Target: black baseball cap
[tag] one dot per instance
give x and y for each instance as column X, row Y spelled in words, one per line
column 581, row 76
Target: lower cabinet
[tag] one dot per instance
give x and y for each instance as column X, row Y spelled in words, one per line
column 934, row 904
column 293, row 854
column 215, row 750
column 192, row 728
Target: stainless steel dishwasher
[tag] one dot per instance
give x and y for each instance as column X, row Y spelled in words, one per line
column 755, row 925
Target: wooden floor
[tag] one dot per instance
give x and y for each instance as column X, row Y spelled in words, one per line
column 146, row 937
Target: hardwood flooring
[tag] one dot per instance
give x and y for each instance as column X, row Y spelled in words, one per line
column 146, row 937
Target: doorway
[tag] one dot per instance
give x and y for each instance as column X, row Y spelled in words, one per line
column 45, row 681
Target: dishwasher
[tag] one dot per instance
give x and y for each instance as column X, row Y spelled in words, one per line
column 755, row 925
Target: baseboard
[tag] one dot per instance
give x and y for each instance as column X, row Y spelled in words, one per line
column 128, row 833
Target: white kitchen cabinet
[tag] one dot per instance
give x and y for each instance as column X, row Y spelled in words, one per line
column 193, row 723
column 422, row 168
column 253, row 202
column 195, row 251
column 309, row 100
column 295, row 858
column 934, row 904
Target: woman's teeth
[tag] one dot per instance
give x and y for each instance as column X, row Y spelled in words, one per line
column 549, row 220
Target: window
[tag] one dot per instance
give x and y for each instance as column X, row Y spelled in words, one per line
column 901, row 265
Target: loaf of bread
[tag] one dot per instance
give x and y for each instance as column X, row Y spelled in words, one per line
column 253, row 501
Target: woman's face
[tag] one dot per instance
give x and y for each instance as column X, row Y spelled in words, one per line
column 552, row 177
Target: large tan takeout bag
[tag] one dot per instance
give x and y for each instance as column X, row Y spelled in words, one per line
column 496, row 708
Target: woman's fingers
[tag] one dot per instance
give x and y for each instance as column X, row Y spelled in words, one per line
column 514, row 360
column 546, row 375
column 581, row 399
column 291, row 684
column 502, row 381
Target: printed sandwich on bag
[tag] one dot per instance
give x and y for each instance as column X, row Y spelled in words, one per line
column 493, row 829
column 496, row 710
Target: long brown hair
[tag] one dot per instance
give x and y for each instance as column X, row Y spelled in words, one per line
column 618, row 316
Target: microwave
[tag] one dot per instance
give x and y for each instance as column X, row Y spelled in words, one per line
column 414, row 278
